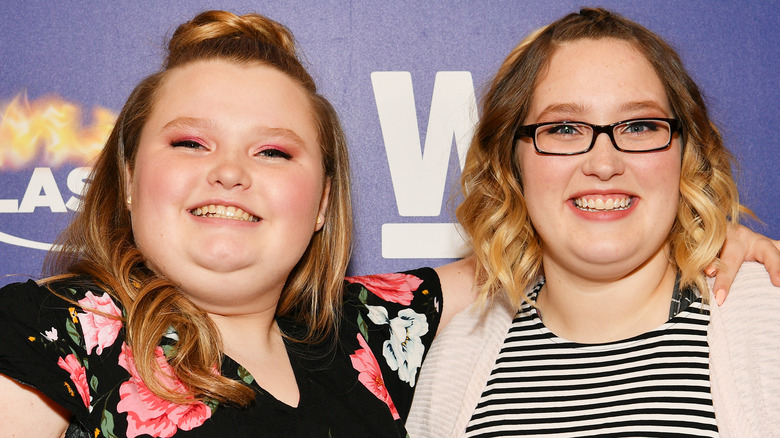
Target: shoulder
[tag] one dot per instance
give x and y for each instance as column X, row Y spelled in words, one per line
column 744, row 341
column 43, row 299
column 747, row 320
column 18, row 301
column 752, row 291
column 57, row 338
column 397, row 287
column 22, row 291
column 378, row 300
column 457, row 285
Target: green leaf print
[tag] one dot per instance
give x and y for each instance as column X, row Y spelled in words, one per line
column 73, row 332
column 363, row 295
column 212, row 404
column 169, row 350
column 93, row 383
column 362, row 326
column 245, row 376
column 107, row 425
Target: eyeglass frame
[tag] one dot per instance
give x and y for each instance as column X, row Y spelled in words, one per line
column 529, row 131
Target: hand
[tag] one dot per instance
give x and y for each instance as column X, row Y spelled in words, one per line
column 741, row 245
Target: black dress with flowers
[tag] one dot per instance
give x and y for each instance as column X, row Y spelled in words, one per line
column 361, row 387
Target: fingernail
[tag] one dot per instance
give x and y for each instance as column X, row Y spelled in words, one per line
column 710, row 271
column 720, row 296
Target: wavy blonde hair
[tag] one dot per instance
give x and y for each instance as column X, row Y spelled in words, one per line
column 506, row 247
column 99, row 242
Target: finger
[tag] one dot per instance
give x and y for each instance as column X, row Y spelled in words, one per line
column 725, row 274
column 734, row 251
column 766, row 251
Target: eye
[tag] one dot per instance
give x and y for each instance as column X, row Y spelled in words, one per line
column 563, row 129
column 641, row 126
column 189, row 144
column 272, row 152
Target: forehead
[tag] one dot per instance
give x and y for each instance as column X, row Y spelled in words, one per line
column 603, row 73
column 232, row 94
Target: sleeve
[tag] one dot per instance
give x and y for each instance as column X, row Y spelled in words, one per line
column 744, row 341
column 393, row 319
column 42, row 344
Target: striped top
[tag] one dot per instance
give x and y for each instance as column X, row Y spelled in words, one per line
column 654, row 384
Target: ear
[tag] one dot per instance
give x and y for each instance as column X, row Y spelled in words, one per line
column 323, row 204
column 128, row 187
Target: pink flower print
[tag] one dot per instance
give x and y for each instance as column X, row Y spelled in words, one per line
column 77, row 374
column 370, row 375
column 396, row 288
column 99, row 331
column 149, row 414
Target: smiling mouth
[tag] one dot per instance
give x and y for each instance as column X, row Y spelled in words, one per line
column 223, row 212
column 600, row 204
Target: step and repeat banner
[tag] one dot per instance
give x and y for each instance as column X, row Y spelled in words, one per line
column 404, row 76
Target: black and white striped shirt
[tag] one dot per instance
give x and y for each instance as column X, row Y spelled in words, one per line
column 655, row 384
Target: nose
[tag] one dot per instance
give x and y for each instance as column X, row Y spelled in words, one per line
column 604, row 160
column 229, row 171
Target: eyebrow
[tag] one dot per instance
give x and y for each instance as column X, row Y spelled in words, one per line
column 562, row 108
column 260, row 130
column 574, row 108
column 641, row 105
column 188, row 122
column 283, row 133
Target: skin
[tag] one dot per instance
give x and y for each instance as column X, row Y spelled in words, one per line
column 236, row 136
column 216, row 251
column 227, row 134
column 605, row 172
column 592, row 258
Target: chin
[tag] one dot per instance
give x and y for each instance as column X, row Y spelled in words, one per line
column 610, row 260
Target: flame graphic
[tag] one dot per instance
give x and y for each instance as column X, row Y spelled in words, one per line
column 48, row 131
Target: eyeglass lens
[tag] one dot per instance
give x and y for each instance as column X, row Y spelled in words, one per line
column 634, row 135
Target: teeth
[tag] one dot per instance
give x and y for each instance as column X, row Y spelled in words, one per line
column 224, row 212
column 603, row 205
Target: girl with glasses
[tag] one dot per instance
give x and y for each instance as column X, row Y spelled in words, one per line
column 597, row 190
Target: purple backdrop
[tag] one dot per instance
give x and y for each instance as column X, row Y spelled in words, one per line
column 403, row 77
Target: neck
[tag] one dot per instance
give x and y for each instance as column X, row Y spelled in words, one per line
column 248, row 335
column 255, row 342
column 596, row 310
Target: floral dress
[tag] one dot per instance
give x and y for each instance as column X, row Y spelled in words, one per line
column 77, row 356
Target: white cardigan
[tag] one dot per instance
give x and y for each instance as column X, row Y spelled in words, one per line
column 743, row 335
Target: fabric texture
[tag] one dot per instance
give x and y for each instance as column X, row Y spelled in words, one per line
column 743, row 336
column 543, row 385
column 360, row 386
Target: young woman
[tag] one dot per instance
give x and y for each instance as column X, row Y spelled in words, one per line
column 200, row 288
column 597, row 192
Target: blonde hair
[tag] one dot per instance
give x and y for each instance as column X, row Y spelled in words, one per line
column 99, row 241
column 506, row 247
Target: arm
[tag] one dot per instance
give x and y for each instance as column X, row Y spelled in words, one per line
column 743, row 244
column 26, row 412
column 457, row 287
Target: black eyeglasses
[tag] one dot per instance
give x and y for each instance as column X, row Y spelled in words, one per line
column 573, row 138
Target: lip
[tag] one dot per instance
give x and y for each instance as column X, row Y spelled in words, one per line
column 227, row 204
column 603, row 196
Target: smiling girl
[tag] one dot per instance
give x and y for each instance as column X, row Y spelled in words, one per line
column 597, row 191
column 201, row 287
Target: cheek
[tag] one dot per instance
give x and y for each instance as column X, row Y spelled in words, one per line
column 663, row 175
column 298, row 195
column 154, row 184
column 544, row 182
